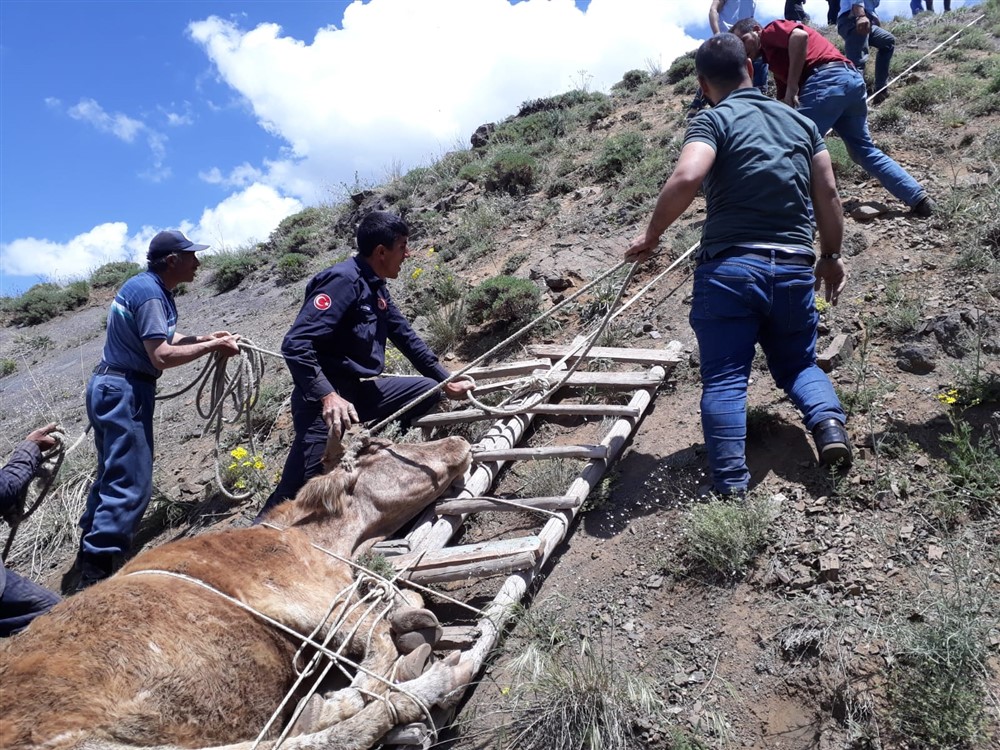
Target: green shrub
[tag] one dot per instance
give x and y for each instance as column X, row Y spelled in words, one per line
column 843, row 167
column 597, row 110
column 568, row 100
column 503, row 300
column 114, row 274
column 924, row 96
column 514, row 262
column 45, row 301
column 939, row 683
column 681, row 68
column 230, row 267
column 292, row 267
column 725, row 536
column 471, row 172
column 619, row 153
column 538, row 127
column 309, row 232
column 446, row 326
column 510, row 170
column 76, row 294
column 7, row 366
column 632, row 80
column 559, row 186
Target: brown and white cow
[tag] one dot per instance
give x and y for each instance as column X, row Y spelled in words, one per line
column 151, row 659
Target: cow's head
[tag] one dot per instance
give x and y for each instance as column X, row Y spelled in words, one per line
column 377, row 485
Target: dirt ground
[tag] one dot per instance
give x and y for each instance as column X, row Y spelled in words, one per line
column 783, row 657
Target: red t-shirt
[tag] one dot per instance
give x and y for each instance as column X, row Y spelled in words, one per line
column 774, row 46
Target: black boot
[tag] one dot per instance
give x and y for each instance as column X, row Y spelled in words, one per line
column 833, row 443
column 93, row 569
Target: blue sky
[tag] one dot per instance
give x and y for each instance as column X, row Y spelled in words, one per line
column 121, row 118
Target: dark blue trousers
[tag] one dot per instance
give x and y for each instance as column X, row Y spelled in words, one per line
column 373, row 399
column 21, row 602
column 121, row 411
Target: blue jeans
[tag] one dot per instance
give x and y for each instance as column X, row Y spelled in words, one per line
column 856, row 47
column 834, row 97
column 21, row 602
column 121, row 411
column 737, row 303
column 373, row 399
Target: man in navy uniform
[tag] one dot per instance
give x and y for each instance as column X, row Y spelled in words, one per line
column 335, row 351
column 22, row 600
column 142, row 342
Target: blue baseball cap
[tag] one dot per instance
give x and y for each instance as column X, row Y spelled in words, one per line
column 171, row 241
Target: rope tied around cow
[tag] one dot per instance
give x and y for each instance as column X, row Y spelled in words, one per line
column 377, row 602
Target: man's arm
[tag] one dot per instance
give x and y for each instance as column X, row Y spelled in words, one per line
column 23, row 464
column 713, row 15
column 695, row 161
column 862, row 24
column 830, row 272
column 163, row 354
column 798, row 41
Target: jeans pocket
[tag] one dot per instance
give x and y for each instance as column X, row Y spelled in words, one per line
column 800, row 304
column 723, row 293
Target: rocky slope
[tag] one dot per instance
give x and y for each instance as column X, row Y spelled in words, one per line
column 801, row 647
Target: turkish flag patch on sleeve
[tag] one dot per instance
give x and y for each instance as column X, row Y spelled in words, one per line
column 322, row 302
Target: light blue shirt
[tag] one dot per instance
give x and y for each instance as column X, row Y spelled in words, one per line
column 870, row 6
column 732, row 11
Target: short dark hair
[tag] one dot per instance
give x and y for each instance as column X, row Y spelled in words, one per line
column 379, row 228
column 159, row 264
column 722, row 60
column 744, row 26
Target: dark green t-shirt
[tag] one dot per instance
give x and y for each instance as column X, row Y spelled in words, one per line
column 758, row 188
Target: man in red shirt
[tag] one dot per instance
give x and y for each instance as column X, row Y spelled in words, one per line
column 813, row 76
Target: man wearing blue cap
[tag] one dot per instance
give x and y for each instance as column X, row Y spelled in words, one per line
column 142, row 341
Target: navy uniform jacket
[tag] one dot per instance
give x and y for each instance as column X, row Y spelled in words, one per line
column 14, row 477
column 341, row 330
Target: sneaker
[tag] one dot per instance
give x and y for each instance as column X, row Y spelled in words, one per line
column 924, row 207
column 832, row 443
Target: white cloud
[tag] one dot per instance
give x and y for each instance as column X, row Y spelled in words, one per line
column 126, row 129
column 248, row 215
column 176, row 120
column 119, row 125
column 240, row 176
column 242, row 217
column 77, row 257
column 403, row 80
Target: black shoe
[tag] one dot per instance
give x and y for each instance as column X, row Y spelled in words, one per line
column 924, row 207
column 93, row 569
column 880, row 97
column 833, row 443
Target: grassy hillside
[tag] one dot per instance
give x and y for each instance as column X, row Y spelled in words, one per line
column 860, row 611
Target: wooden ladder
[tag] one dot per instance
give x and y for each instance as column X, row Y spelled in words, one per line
column 425, row 555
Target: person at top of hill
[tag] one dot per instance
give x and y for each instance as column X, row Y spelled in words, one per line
column 859, row 26
column 142, row 341
column 795, row 10
column 813, row 76
column 722, row 14
column 22, row 600
column 754, row 281
column 335, row 351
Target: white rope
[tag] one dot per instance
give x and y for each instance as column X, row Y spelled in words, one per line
column 506, row 342
column 335, row 656
column 933, row 51
column 216, row 387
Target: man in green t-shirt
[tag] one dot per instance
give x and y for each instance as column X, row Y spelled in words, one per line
column 759, row 163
